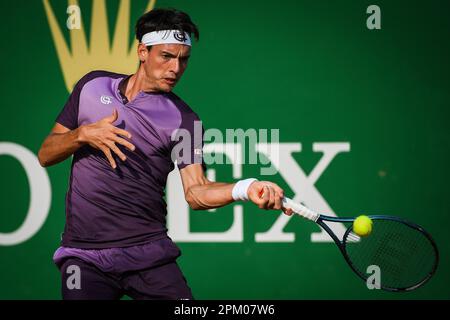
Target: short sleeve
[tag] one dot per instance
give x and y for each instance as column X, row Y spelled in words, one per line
column 68, row 117
column 189, row 142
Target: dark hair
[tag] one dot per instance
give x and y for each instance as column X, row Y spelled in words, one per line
column 165, row 19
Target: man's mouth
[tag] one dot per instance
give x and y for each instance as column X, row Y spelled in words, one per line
column 170, row 80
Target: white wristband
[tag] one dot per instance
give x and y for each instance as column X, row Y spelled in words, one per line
column 240, row 189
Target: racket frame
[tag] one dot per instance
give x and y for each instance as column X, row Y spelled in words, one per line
column 342, row 245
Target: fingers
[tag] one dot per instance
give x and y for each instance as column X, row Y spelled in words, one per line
column 108, row 155
column 271, row 202
column 124, row 142
column 264, row 196
column 277, row 198
column 104, row 135
column 271, row 196
column 276, row 188
column 113, row 117
column 287, row 211
column 113, row 147
column 122, row 132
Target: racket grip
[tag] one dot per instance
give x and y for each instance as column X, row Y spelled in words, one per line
column 300, row 209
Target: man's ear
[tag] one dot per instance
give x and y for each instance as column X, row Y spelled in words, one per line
column 142, row 52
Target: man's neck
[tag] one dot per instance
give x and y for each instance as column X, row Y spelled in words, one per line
column 138, row 82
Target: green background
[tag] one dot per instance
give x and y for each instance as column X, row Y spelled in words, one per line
column 310, row 68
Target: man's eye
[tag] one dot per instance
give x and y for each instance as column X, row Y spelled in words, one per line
column 165, row 56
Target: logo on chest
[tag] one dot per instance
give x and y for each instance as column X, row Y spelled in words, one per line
column 106, row 99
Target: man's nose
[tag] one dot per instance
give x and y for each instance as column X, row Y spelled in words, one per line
column 175, row 66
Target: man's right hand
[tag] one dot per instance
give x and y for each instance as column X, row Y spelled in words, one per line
column 103, row 135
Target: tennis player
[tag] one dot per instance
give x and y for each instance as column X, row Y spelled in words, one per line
column 119, row 129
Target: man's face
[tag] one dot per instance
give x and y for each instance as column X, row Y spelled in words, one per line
column 164, row 64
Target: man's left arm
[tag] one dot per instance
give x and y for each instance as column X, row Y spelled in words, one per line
column 202, row 194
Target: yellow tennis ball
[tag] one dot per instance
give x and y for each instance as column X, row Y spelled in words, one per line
column 362, row 226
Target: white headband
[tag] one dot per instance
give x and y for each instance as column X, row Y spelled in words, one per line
column 166, row 37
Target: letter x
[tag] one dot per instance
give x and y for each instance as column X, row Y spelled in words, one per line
column 302, row 185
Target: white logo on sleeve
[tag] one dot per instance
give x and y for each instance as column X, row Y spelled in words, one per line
column 106, row 99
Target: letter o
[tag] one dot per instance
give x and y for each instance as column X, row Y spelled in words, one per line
column 40, row 194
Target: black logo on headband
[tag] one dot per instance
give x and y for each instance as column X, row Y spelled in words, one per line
column 180, row 36
column 166, row 34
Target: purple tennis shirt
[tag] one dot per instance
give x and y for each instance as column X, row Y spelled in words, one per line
column 122, row 207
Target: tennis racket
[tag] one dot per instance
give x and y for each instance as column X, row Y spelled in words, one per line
column 405, row 253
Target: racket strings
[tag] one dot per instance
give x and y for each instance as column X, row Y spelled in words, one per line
column 404, row 255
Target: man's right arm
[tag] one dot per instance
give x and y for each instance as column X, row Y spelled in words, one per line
column 63, row 142
column 59, row 145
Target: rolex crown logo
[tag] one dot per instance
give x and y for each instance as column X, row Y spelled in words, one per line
column 100, row 54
